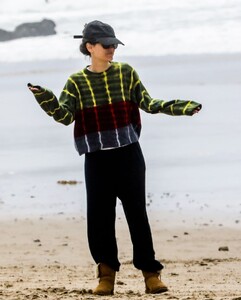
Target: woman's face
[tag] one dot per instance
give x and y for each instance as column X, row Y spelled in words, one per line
column 98, row 52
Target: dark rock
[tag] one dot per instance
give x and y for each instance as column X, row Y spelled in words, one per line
column 5, row 35
column 42, row 28
column 37, row 241
column 225, row 248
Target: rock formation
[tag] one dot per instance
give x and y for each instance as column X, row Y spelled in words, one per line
column 42, row 28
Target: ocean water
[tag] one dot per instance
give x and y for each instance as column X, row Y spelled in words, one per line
column 147, row 27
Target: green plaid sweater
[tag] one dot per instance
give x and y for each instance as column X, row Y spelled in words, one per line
column 105, row 107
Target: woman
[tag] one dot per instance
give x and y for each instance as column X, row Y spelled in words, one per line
column 104, row 100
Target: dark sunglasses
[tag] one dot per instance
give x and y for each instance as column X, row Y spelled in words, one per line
column 109, row 46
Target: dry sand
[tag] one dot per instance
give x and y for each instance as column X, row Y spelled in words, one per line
column 48, row 258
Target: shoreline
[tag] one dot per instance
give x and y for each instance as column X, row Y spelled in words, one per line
column 52, row 65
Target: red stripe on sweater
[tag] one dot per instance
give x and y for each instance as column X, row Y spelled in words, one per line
column 106, row 117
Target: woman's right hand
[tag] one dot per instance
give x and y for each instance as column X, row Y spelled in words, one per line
column 33, row 88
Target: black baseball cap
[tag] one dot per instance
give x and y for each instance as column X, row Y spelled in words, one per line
column 98, row 32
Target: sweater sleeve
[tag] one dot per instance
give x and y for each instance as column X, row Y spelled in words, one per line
column 62, row 110
column 153, row 106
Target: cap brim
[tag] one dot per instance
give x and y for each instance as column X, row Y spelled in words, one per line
column 78, row 36
column 109, row 41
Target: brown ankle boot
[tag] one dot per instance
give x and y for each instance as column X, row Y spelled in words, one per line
column 106, row 277
column 154, row 285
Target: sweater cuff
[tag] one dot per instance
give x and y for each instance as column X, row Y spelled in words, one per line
column 191, row 107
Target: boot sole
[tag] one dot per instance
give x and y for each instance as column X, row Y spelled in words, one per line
column 103, row 293
column 157, row 291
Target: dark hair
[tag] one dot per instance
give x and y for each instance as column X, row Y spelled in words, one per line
column 83, row 49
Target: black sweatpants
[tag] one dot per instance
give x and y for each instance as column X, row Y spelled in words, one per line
column 110, row 174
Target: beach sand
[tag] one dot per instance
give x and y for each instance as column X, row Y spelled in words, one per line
column 48, row 258
column 193, row 186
